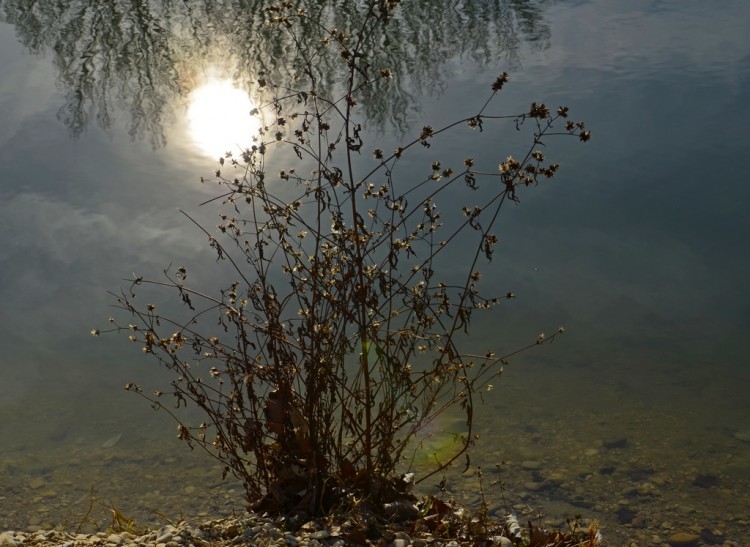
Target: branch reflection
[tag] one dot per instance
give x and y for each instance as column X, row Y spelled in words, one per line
column 143, row 57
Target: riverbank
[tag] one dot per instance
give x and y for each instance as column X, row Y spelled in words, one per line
column 246, row 530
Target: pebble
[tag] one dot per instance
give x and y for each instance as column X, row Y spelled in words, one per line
column 109, row 443
column 683, row 538
column 625, row 515
column 555, row 478
column 183, row 535
column 114, row 539
column 531, row 464
column 249, row 529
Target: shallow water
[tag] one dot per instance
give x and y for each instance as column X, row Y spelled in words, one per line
column 638, row 248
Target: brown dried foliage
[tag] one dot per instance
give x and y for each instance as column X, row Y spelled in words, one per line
column 339, row 340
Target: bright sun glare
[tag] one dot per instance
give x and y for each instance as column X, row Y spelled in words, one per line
column 220, row 120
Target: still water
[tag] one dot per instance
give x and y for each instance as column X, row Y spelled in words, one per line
column 638, row 417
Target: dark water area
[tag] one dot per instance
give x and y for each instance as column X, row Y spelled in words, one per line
column 638, row 247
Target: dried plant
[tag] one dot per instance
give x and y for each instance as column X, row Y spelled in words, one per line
column 343, row 334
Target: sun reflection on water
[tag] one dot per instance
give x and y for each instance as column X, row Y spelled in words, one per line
column 219, row 118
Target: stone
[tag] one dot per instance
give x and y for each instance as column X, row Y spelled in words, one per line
column 645, row 489
column 706, row 481
column 616, row 443
column 114, row 539
column 711, row 537
column 531, row 464
column 7, row 540
column 683, row 538
column 532, row 486
column 109, row 443
column 625, row 515
column 580, row 501
column 37, row 483
column 501, row 541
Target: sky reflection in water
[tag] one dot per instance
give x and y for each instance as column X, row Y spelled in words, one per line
column 639, row 248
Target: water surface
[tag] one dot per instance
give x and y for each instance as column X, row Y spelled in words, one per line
column 638, row 248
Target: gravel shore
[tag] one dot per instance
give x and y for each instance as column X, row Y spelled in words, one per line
column 247, row 530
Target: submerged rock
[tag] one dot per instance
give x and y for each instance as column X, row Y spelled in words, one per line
column 683, row 538
column 109, row 443
column 706, row 481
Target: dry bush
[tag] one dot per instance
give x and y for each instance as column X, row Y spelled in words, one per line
column 343, row 334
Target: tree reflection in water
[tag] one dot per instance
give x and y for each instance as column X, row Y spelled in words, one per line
column 144, row 57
